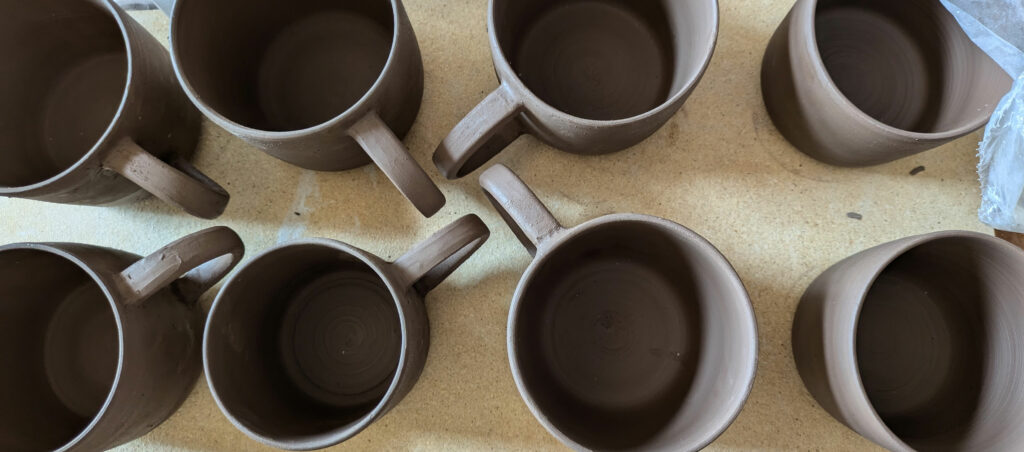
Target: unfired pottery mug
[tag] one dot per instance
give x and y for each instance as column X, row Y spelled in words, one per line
column 313, row 341
column 918, row 344
column 584, row 76
column 627, row 332
column 92, row 112
column 858, row 83
column 99, row 346
column 322, row 84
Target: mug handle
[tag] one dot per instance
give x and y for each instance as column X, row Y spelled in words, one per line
column 392, row 157
column 429, row 263
column 526, row 215
column 194, row 263
column 182, row 186
column 481, row 135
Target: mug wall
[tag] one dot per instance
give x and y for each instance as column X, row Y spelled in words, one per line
column 248, row 357
column 279, row 67
column 65, row 78
column 58, row 350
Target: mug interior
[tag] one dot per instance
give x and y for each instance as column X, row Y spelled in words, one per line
column 606, row 59
column 65, row 75
column 907, row 64
column 282, row 66
column 939, row 345
column 631, row 335
column 59, row 349
column 303, row 344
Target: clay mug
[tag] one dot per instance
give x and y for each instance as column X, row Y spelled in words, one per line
column 918, row 344
column 626, row 332
column 322, row 84
column 314, row 340
column 859, row 83
column 584, row 76
column 99, row 346
column 92, row 111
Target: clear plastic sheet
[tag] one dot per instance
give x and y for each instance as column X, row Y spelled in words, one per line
column 997, row 27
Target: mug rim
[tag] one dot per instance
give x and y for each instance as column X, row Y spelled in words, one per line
column 361, row 105
column 115, row 13
column 810, row 13
column 849, row 335
column 337, row 435
column 506, row 74
column 551, row 248
column 54, row 249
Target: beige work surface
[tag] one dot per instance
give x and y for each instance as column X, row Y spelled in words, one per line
column 719, row 167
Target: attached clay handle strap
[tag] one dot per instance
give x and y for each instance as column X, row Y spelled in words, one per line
column 526, row 215
column 181, row 185
column 430, row 262
column 194, row 263
column 391, row 156
column 481, row 135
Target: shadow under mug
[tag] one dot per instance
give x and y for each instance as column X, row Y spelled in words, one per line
column 92, row 110
column 313, row 341
column 584, row 76
column 322, row 84
column 859, row 83
column 918, row 344
column 626, row 332
column 99, row 346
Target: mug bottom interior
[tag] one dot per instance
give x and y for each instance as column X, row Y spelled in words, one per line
column 924, row 346
column 341, row 338
column 596, row 59
column 60, row 352
column 609, row 337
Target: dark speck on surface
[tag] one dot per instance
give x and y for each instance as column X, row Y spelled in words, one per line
column 298, row 214
column 917, row 171
column 855, row 216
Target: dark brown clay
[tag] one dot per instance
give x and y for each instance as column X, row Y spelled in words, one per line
column 584, row 76
column 627, row 332
column 321, row 84
column 858, row 83
column 99, row 346
column 313, row 341
column 92, row 111
column 917, row 344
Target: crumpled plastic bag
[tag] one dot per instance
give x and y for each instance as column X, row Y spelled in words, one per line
column 997, row 28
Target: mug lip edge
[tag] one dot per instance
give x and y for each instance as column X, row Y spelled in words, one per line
column 902, row 246
column 115, row 12
column 821, row 73
column 116, row 309
column 361, row 106
column 507, row 75
column 680, row 231
column 337, row 435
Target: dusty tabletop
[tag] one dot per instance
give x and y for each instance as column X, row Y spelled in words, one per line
column 718, row 167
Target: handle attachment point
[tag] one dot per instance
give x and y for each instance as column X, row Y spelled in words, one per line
column 524, row 213
column 429, row 263
column 482, row 134
column 200, row 260
column 392, row 157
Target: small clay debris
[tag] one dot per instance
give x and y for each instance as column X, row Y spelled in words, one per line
column 855, row 216
column 917, row 171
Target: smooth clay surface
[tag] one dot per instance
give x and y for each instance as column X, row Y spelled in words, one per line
column 718, row 167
